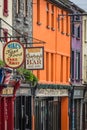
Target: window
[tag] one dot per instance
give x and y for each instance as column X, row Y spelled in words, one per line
column 25, row 8
column 38, row 12
column 85, row 67
column 67, row 24
column 58, row 21
column 5, row 34
column 61, row 72
column 52, row 17
column 72, row 65
column 52, row 67
column 47, row 66
column 67, row 69
column 73, row 29
column 78, row 32
column 85, row 30
column 62, row 22
column 18, row 6
column 47, row 9
column 77, row 65
column 77, row 17
column 5, row 8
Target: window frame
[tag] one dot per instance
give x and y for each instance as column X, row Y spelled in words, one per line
column 25, row 8
column 18, row 7
column 47, row 14
column 78, row 32
column 77, row 65
column 72, row 64
column 5, row 8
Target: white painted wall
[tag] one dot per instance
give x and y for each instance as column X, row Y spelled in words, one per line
column 8, row 19
column 84, row 49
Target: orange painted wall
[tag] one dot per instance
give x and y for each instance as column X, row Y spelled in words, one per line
column 64, row 113
column 57, row 45
column 56, row 52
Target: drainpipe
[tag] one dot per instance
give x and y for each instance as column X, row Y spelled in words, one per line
column 81, row 109
column 73, row 114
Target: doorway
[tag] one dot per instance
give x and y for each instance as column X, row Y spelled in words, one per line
column 22, row 113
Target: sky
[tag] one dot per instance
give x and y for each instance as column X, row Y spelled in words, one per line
column 81, row 3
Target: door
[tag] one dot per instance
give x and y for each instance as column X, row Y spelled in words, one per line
column 54, row 115
column 23, row 113
column 85, row 115
column 48, row 114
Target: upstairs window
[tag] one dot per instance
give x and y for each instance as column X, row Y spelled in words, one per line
column 52, row 67
column 67, row 68
column 61, row 71
column 62, row 22
column 73, row 26
column 72, row 65
column 18, row 6
column 77, row 65
column 38, row 12
column 85, row 67
column 25, row 8
column 77, row 17
column 67, row 24
column 85, row 30
column 5, row 7
column 48, row 14
column 52, row 17
column 78, row 32
column 47, row 66
column 73, row 29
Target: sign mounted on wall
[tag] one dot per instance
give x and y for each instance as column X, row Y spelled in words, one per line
column 35, row 58
column 13, row 54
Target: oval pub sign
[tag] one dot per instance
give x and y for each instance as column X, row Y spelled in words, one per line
column 13, row 54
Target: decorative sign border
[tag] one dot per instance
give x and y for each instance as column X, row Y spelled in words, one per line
column 13, row 54
column 51, row 92
column 34, row 58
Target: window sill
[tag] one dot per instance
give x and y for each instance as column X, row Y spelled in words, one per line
column 73, row 35
column 78, row 38
column 26, row 21
column 39, row 23
column 67, row 34
column 5, row 14
column 18, row 19
column 77, row 80
column 85, row 41
column 53, row 29
column 48, row 27
column 72, row 79
column 63, row 33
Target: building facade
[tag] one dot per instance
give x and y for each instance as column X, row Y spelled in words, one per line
column 22, row 23
column 77, row 93
column 84, row 68
column 5, row 15
column 52, row 24
column 5, row 102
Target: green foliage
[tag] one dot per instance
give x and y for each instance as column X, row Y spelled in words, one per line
column 2, row 64
column 27, row 74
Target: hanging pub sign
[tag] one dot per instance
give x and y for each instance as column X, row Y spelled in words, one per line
column 13, row 54
column 35, row 58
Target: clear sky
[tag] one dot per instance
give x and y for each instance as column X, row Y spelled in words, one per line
column 81, row 3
